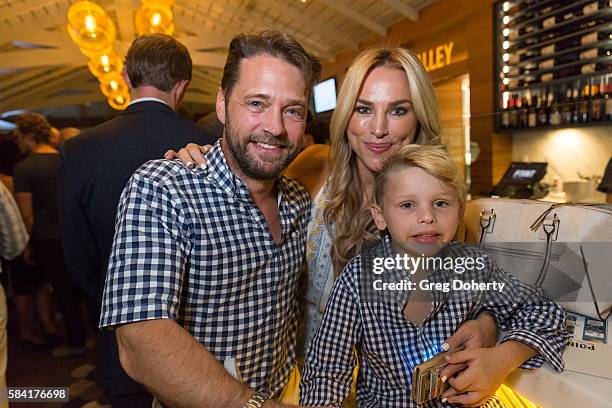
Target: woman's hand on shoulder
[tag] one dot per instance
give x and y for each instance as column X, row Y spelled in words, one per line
column 310, row 168
column 190, row 156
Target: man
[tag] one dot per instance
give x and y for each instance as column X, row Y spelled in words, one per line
column 203, row 273
column 96, row 166
column 13, row 240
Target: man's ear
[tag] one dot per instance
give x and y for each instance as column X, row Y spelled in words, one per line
column 377, row 215
column 126, row 77
column 181, row 87
column 220, row 106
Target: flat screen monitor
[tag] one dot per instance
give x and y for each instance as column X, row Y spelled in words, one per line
column 524, row 173
column 324, row 95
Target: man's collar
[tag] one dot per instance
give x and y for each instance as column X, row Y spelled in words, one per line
column 219, row 169
column 148, row 99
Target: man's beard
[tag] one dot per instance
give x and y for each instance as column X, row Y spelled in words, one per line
column 252, row 166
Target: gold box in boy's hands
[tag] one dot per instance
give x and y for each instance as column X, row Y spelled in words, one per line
column 427, row 382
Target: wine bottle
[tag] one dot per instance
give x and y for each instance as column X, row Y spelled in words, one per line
column 513, row 113
column 584, row 111
column 532, row 117
column 543, row 107
column 554, row 117
column 549, row 22
column 595, row 67
column 527, row 29
column 575, row 102
column 597, row 100
column 594, row 37
column 549, row 49
column 594, row 53
column 607, row 91
column 595, row 6
column 521, row 117
column 566, row 110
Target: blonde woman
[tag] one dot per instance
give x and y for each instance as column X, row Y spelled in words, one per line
column 385, row 101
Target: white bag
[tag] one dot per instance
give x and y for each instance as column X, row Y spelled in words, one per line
column 564, row 248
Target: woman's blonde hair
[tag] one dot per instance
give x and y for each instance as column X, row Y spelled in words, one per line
column 345, row 210
column 434, row 160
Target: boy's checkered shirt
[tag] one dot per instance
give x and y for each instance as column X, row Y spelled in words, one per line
column 389, row 346
column 192, row 246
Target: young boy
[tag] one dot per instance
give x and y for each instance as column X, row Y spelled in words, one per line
column 419, row 199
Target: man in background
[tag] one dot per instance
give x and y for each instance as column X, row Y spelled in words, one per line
column 97, row 164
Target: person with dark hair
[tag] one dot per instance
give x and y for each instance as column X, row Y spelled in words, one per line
column 97, row 164
column 25, row 282
column 36, row 180
column 202, row 278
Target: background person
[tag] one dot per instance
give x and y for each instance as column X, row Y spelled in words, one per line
column 96, row 166
column 36, row 181
column 26, row 283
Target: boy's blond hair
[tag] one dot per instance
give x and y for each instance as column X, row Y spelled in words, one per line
column 432, row 159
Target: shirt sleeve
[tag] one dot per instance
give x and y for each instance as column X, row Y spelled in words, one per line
column 330, row 360
column 13, row 234
column 529, row 317
column 149, row 253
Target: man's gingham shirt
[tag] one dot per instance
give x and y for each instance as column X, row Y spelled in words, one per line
column 390, row 346
column 192, row 246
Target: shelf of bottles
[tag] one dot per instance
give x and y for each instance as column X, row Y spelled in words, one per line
column 553, row 63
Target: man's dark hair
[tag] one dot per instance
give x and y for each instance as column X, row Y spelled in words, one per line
column 34, row 124
column 270, row 43
column 157, row 60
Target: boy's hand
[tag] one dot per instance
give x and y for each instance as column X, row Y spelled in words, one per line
column 472, row 334
column 483, row 375
column 486, row 369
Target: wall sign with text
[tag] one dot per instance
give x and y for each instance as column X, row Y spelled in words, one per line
column 437, row 57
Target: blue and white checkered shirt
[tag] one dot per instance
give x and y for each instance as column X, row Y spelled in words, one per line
column 389, row 346
column 192, row 246
column 13, row 234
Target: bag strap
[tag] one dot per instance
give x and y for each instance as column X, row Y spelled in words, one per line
column 586, row 271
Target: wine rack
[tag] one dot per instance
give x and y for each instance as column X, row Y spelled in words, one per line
column 553, row 63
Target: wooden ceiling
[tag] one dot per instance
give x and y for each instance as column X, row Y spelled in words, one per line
column 41, row 68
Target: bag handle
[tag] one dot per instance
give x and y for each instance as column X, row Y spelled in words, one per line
column 549, row 230
column 488, row 221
